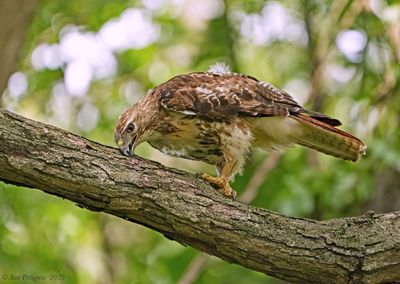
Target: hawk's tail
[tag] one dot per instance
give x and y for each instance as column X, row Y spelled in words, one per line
column 327, row 139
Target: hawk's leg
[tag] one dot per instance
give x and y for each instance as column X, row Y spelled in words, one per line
column 222, row 181
column 235, row 142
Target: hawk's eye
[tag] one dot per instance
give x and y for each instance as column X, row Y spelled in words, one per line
column 130, row 128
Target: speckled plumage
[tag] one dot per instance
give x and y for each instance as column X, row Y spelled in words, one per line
column 217, row 116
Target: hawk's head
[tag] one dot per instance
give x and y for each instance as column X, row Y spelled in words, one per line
column 128, row 131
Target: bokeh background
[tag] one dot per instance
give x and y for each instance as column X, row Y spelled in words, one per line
column 82, row 63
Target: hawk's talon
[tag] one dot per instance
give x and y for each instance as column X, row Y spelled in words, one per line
column 222, row 184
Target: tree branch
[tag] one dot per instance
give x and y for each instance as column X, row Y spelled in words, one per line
column 184, row 208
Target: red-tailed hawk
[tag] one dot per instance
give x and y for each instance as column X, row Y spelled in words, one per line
column 217, row 116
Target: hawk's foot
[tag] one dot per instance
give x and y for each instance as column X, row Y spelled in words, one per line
column 222, row 184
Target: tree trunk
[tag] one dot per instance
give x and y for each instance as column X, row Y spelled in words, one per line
column 186, row 209
column 15, row 17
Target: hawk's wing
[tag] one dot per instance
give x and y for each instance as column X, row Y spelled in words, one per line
column 223, row 95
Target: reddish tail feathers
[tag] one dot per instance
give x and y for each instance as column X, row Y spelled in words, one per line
column 327, row 139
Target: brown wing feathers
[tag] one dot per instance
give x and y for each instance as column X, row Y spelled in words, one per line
column 218, row 96
column 221, row 96
column 224, row 95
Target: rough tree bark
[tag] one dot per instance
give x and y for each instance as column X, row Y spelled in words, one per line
column 184, row 208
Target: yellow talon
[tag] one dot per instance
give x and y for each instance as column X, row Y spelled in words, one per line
column 222, row 184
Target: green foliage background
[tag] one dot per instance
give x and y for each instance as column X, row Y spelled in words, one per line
column 43, row 235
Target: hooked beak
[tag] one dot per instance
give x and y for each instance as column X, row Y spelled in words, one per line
column 128, row 149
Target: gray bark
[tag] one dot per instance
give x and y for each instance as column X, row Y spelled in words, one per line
column 183, row 207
